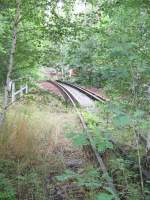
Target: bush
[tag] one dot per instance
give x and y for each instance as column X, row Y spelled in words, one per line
column 7, row 192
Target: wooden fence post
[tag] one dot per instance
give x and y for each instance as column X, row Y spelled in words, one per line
column 21, row 91
column 13, row 92
column 26, row 88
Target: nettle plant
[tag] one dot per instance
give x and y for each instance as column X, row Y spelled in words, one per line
column 89, row 180
column 100, row 136
column 6, row 189
column 127, row 126
column 113, row 121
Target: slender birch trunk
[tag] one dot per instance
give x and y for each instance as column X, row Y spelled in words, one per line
column 11, row 56
column 148, row 143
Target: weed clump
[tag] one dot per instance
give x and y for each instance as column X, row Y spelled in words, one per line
column 28, row 140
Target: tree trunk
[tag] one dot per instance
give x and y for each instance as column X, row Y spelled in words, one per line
column 148, row 144
column 11, row 57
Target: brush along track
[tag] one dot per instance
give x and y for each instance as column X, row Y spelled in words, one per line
column 68, row 94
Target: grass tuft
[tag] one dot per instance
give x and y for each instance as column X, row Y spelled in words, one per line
column 29, row 140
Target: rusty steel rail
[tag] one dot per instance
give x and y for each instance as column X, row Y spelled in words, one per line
column 90, row 94
column 64, row 92
column 67, row 95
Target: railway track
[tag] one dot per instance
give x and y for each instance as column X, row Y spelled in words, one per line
column 76, row 95
column 85, row 91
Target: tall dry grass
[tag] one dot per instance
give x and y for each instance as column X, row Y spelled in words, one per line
column 29, row 131
column 29, row 139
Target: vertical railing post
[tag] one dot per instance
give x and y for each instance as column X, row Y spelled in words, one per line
column 26, row 88
column 13, row 92
column 21, row 91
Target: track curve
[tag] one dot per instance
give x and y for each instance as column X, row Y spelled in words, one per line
column 84, row 91
column 68, row 95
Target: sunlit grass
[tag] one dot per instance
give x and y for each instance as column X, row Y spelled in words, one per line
column 29, row 139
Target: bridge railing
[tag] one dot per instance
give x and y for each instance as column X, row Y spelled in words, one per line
column 13, row 96
column 20, row 92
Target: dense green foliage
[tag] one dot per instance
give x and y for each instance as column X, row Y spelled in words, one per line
column 112, row 48
column 39, row 33
column 108, row 45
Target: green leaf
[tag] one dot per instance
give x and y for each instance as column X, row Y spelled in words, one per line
column 104, row 196
column 139, row 114
column 68, row 174
column 121, row 120
column 7, row 191
column 90, row 179
column 105, row 144
column 93, row 184
column 100, row 141
column 80, row 140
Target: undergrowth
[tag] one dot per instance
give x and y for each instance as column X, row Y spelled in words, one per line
column 29, row 138
column 116, row 134
column 39, row 130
